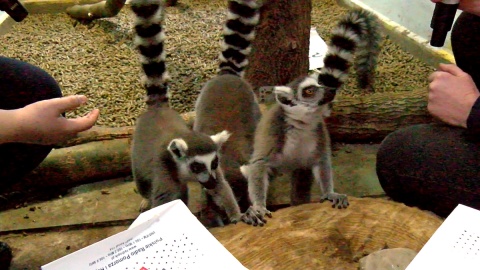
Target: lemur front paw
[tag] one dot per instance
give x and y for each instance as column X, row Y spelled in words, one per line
column 236, row 218
column 255, row 215
column 338, row 200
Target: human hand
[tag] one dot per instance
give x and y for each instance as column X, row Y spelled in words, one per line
column 452, row 94
column 42, row 123
column 470, row 6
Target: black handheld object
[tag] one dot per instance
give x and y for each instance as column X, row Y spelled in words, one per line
column 442, row 21
column 14, row 9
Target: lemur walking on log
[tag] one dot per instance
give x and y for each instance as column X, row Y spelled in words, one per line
column 227, row 102
column 292, row 136
column 166, row 153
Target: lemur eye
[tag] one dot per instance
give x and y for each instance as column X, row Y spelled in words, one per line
column 308, row 92
column 197, row 167
column 214, row 165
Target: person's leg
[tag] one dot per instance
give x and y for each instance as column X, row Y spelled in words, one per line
column 466, row 44
column 432, row 166
column 22, row 84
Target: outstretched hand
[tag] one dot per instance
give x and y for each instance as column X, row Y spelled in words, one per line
column 452, row 94
column 42, row 122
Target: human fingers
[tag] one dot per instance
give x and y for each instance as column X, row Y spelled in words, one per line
column 68, row 103
column 79, row 124
column 452, row 69
column 435, row 75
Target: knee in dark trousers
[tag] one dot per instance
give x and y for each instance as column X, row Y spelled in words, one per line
column 22, row 84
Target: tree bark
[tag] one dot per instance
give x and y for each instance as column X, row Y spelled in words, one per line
column 372, row 117
column 98, row 133
column 86, row 162
column 280, row 48
column 104, row 9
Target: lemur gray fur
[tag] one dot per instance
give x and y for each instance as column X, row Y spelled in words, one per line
column 166, row 153
column 292, row 136
column 227, row 102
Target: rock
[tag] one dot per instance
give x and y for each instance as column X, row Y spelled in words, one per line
column 388, row 259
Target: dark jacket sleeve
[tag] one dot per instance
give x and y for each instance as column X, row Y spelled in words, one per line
column 473, row 120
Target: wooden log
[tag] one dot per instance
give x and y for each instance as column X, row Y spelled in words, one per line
column 86, row 162
column 90, row 12
column 367, row 118
column 53, row 6
column 98, row 133
column 371, row 117
column 103, row 153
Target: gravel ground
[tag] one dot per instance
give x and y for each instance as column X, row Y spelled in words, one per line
column 98, row 59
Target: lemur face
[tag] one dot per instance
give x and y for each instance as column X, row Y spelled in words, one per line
column 200, row 160
column 203, row 168
column 302, row 94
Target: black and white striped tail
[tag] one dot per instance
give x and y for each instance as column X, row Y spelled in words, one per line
column 358, row 33
column 238, row 33
column 149, row 41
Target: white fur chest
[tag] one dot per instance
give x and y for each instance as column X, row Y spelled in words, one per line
column 300, row 148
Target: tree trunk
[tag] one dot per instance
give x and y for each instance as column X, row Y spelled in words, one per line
column 280, row 48
column 104, row 9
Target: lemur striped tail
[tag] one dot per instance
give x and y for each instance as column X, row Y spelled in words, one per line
column 357, row 33
column 149, row 41
column 238, row 33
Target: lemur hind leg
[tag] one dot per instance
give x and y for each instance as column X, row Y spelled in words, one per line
column 302, row 180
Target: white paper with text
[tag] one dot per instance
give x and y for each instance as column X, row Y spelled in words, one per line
column 166, row 237
column 454, row 245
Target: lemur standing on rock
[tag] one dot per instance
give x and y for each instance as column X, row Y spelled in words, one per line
column 166, row 153
column 292, row 136
column 227, row 102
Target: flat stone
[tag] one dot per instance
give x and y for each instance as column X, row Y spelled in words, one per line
column 391, row 259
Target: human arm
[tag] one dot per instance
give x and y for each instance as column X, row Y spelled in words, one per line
column 42, row 123
column 470, row 6
column 452, row 95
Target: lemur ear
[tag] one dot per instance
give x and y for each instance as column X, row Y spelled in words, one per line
column 178, row 148
column 283, row 94
column 221, row 137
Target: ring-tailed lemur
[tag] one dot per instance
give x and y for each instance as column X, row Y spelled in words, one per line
column 166, row 153
column 227, row 102
column 292, row 136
